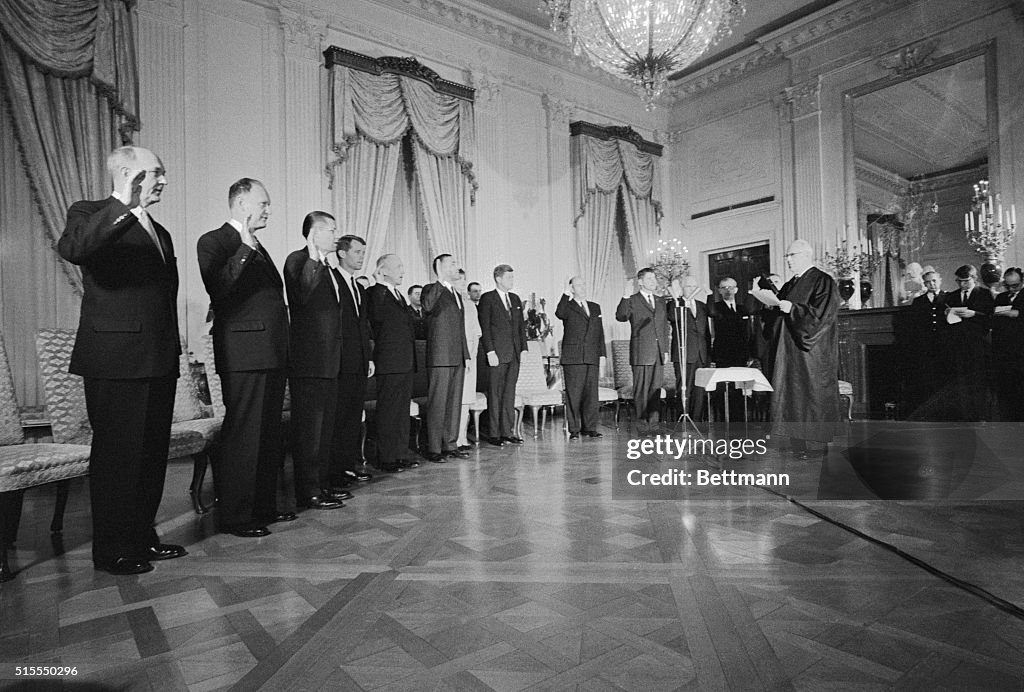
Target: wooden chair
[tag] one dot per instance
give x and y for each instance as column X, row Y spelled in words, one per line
column 24, row 466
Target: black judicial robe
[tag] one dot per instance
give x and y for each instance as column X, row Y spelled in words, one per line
column 805, row 404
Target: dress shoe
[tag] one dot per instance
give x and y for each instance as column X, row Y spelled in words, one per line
column 574, row 436
column 465, row 448
column 436, row 458
column 408, row 463
column 456, row 454
column 497, row 441
column 513, row 440
column 318, row 502
column 337, row 494
column 163, row 551
column 124, row 565
column 341, row 484
column 357, row 475
column 282, row 516
column 257, row 532
column 592, row 433
column 391, row 468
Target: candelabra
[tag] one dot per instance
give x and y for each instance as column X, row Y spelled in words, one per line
column 669, row 261
column 988, row 225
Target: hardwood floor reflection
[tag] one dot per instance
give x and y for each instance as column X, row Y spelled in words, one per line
column 521, row 569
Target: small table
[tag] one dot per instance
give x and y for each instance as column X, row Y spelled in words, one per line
column 747, row 379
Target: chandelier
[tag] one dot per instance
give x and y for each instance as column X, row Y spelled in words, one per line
column 643, row 40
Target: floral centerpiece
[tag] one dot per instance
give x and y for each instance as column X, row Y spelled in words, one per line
column 669, row 262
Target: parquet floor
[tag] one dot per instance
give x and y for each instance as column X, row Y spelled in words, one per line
column 521, row 569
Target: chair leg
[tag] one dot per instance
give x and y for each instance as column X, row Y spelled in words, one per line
column 57, row 523
column 195, row 489
column 10, row 514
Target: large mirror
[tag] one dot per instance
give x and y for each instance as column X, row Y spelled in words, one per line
column 918, row 141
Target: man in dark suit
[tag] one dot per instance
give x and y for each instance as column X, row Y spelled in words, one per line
column 356, row 366
column 127, row 350
column 922, row 336
column 503, row 338
column 250, row 344
column 315, row 358
column 971, row 307
column 394, row 359
column 649, row 343
column 1008, row 346
column 416, row 310
column 582, row 350
column 447, row 356
column 732, row 335
column 698, row 342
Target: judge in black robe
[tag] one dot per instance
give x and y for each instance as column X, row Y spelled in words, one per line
column 805, row 403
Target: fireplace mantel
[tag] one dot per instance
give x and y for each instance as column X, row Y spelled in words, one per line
column 866, row 353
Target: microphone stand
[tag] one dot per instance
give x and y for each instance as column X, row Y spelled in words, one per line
column 684, row 417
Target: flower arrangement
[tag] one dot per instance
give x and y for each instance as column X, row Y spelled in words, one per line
column 846, row 263
column 669, row 261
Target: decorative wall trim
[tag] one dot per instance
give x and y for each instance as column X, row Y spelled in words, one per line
column 560, row 111
column 910, row 59
column 624, row 133
column 304, row 30
column 804, row 98
column 408, row 67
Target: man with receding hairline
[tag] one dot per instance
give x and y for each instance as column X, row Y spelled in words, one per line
column 127, row 351
column 250, row 344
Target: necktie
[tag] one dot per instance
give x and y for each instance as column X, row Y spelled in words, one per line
column 401, row 300
column 650, row 301
column 458, row 301
column 355, row 293
column 147, row 223
column 963, row 298
column 334, row 279
column 583, row 304
column 508, row 307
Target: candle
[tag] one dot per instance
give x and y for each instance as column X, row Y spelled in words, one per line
column 1013, row 215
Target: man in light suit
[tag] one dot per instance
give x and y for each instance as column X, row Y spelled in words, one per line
column 649, row 343
column 315, row 358
column 127, row 350
column 394, row 358
column 503, row 338
column 582, row 350
column 447, row 356
column 250, row 344
column 356, row 365
column 698, row 342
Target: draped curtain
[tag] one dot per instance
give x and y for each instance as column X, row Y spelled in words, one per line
column 374, row 113
column 71, row 88
column 600, row 170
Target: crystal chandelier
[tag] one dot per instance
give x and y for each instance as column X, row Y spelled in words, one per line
column 643, row 40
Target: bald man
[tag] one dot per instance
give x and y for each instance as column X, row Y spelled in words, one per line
column 582, row 351
column 805, row 404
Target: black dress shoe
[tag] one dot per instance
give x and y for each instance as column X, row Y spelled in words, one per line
column 391, row 468
column 163, row 551
column 281, row 516
column 336, row 494
column 318, row 502
column 465, row 448
column 436, row 458
column 574, row 436
column 408, row 463
column 456, row 454
column 592, row 433
column 497, row 441
column 357, row 475
column 513, row 440
column 257, row 532
column 124, row 565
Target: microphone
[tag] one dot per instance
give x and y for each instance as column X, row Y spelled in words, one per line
column 766, row 283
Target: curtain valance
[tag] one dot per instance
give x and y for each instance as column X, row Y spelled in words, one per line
column 602, row 166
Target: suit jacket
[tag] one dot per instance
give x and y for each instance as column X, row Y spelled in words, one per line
column 315, row 344
column 930, row 316
column 446, row 327
column 419, row 321
column 649, row 336
column 1008, row 334
column 583, row 335
column 698, row 337
column 128, row 327
column 355, row 328
column 394, row 332
column 250, row 320
column 502, row 331
column 733, row 343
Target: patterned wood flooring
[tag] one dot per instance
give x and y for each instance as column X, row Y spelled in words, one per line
column 521, row 569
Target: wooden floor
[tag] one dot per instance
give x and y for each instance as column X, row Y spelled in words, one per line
column 517, row 569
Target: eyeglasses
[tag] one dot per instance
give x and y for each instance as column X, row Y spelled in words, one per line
column 964, row 281
column 1012, row 287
